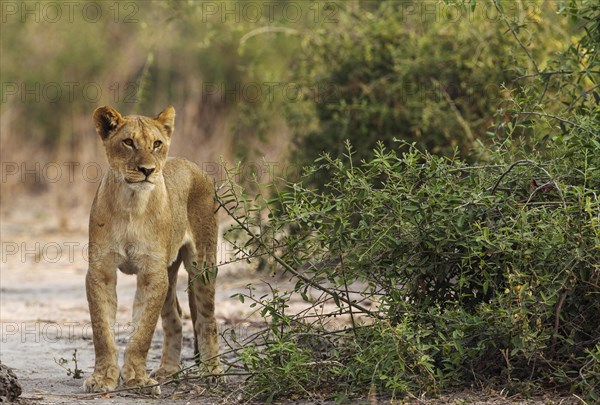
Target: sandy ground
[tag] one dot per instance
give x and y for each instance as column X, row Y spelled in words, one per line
column 44, row 317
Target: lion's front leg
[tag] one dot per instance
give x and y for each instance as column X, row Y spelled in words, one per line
column 101, row 281
column 152, row 286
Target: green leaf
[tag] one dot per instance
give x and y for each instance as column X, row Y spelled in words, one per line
column 336, row 299
column 473, row 5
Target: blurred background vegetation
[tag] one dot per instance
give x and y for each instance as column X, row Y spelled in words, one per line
column 287, row 80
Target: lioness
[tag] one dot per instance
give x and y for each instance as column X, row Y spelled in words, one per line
column 150, row 214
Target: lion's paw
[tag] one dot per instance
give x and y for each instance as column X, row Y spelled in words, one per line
column 165, row 373
column 100, row 383
column 148, row 386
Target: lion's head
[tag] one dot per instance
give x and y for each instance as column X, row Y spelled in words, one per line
column 136, row 146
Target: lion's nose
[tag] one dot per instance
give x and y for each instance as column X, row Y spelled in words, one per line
column 146, row 170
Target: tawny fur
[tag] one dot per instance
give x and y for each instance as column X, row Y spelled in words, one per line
column 150, row 214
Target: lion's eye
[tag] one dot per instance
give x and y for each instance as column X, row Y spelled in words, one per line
column 157, row 144
column 128, row 142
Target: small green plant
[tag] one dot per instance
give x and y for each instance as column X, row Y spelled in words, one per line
column 76, row 372
column 204, row 273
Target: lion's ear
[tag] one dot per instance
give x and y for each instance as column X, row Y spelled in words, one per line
column 106, row 120
column 167, row 119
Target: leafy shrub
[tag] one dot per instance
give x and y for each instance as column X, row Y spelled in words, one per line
column 474, row 272
column 440, row 273
column 431, row 76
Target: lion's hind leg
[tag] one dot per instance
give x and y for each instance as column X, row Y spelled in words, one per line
column 201, row 295
column 171, row 315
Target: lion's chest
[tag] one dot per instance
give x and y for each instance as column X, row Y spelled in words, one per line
column 140, row 231
column 136, row 244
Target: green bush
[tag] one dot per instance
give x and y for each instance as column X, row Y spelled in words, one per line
column 479, row 272
column 423, row 273
column 434, row 76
